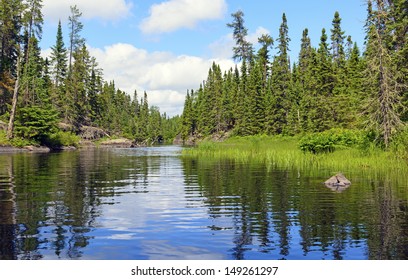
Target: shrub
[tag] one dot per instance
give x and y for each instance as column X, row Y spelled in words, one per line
column 35, row 123
column 62, row 139
column 399, row 143
column 330, row 140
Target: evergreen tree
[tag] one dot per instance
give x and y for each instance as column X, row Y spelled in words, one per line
column 187, row 120
column 77, row 86
column 59, row 58
column 243, row 49
column 31, row 78
column 255, row 100
column 75, row 27
column 266, row 42
column 59, row 71
column 281, row 80
column 227, row 101
column 33, row 21
column 10, row 40
column 324, row 87
column 93, row 92
column 337, row 38
column 241, row 108
column 34, row 18
column 399, row 46
column 384, row 106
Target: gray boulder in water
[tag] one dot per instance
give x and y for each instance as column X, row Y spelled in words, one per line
column 338, row 180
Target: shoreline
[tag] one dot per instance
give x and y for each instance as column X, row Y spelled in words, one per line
column 84, row 144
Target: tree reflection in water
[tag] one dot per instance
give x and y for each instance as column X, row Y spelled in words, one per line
column 54, row 205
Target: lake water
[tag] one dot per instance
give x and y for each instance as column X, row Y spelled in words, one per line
column 151, row 203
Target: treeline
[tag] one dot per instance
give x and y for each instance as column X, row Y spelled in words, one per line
column 333, row 85
column 38, row 94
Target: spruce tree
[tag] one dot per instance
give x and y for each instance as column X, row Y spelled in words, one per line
column 187, row 128
column 325, row 79
column 384, row 107
column 10, row 41
column 337, row 38
column 77, row 89
column 255, row 101
column 34, row 18
column 399, row 46
column 266, row 42
column 243, row 49
column 59, row 58
column 59, row 71
column 75, row 28
column 281, row 80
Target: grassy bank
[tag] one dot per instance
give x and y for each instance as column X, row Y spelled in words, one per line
column 55, row 140
column 284, row 152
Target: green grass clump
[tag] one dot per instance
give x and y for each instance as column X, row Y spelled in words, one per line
column 284, row 152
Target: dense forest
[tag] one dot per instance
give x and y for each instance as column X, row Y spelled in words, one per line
column 47, row 100
column 335, row 85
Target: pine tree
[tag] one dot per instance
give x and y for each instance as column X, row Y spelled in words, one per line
column 75, row 27
column 241, row 108
column 324, row 88
column 305, row 84
column 93, row 92
column 399, row 46
column 187, row 119
column 33, row 21
column 337, row 38
column 243, row 49
column 34, row 18
column 266, row 42
column 77, row 89
column 59, row 71
column 384, row 107
column 59, row 58
column 10, row 40
column 255, row 101
column 281, row 80
column 31, row 77
column 227, row 101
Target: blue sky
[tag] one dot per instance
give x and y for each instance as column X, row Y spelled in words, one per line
column 167, row 46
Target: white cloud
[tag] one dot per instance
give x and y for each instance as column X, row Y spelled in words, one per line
column 175, row 14
column 164, row 76
column 106, row 10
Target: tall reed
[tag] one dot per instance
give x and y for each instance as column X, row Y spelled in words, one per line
column 284, row 152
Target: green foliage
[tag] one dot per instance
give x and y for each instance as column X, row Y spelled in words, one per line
column 62, row 139
column 329, row 141
column 3, row 138
column 36, row 123
column 399, row 144
column 15, row 142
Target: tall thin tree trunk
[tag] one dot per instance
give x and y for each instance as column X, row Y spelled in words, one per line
column 10, row 128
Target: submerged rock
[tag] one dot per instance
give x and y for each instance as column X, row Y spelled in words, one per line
column 338, row 180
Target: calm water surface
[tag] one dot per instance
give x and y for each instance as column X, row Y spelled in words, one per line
column 150, row 203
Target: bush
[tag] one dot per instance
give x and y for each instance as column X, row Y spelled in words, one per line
column 3, row 138
column 62, row 139
column 330, row 140
column 399, row 143
column 35, row 123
